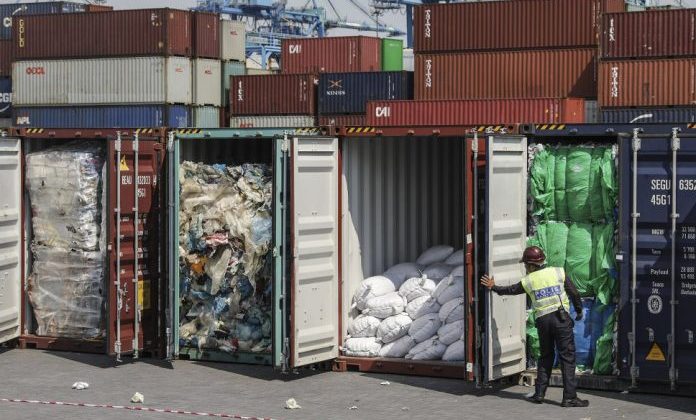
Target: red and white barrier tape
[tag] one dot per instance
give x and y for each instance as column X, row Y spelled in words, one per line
column 135, row 408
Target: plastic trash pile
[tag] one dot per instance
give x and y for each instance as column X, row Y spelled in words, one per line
column 225, row 231
column 67, row 280
column 413, row 310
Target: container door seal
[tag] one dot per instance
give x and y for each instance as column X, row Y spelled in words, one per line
column 10, row 234
column 506, row 234
column 314, row 331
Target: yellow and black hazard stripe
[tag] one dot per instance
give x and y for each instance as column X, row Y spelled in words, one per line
column 489, row 128
column 307, row 130
column 35, row 130
column 550, row 127
column 691, row 126
column 351, row 130
column 144, row 130
column 189, row 131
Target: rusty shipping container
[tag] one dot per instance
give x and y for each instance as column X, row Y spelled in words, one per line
column 331, row 54
column 527, row 24
column 337, row 121
column 6, row 57
column 662, row 82
column 474, row 112
column 150, row 32
column 92, row 8
column 654, row 33
column 206, row 35
column 507, row 75
column 283, row 94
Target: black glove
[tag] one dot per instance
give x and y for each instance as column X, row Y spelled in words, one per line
column 578, row 317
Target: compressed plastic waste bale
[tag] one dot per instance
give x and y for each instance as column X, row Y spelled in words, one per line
column 604, row 262
column 533, row 346
column 449, row 288
column 604, row 343
column 425, row 327
column 362, row 347
column 435, row 254
column 559, row 179
column 608, row 184
column 398, row 348
column 578, row 184
column 363, row 326
column 416, row 287
column 385, row 306
column 399, row 273
column 454, row 352
column 596, row 203
column 583, row 335
column 452, row 311
column 430, row 349
column 394, row 327
column 422, row 306
column 578, row 256
column 449, row 333
column 456, row 259
column 552, row 237
column 541, row 182
column 437, row 271
column 372, row 287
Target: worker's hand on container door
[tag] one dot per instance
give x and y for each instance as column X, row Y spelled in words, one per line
column 488, row 281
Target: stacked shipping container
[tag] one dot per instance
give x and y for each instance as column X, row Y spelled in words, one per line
column 233, row 55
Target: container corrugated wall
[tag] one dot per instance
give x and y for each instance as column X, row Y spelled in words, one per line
column 591, row 112
column 5, row 97
column 392, row 54
column 177, row 116
column 10, row 11
column 206, row 116
column 473, row 112
column 207, row 74
column 105, row 34
column 135, row 80
column 206, row 35
column 230, row 68
column 282, row 94
column 6, row 57
column 331, row 54
column 652, row 115
column 272, row 121
column 504, row 25
column 506, row 75
column 233, row 40
column 348, row 93
column 342, row 120
column 654, row 33
column 647, row 83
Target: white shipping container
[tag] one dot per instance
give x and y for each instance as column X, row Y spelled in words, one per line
column 233, row 40
column 206, row 116
column 255, row 72
column 102, row 81
column 591, row 112
column 408, row 59
column 206, row 82
column 273, row 121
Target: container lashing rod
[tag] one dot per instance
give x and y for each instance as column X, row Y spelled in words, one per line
column 136, row 217
column 635, row 146
column 673, row 373
column 117, row 280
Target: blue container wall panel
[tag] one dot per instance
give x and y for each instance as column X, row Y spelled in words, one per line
column 348, row 93
column 654, row 270
column 5, row 97
column 176, row 116
column 7, row 11
column 658, row 115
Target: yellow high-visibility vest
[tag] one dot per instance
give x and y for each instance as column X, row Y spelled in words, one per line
column 546, row 289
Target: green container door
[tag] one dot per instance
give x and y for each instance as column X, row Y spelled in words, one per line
column 230, row 68
column 392, row 54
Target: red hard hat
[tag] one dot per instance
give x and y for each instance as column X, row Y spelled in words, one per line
column 533, row 255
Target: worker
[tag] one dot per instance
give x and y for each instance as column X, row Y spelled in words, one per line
column 549, row 289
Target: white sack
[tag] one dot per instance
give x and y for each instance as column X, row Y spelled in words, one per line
column 372, row 287
column 456, row 259
column 437, row 271
column 454, row 352
column 397, row 348
column 416, row 287
column 401, row 272
column 363, row 326
column 452, row 311
column 435, row 254
column 449, row 288
column 449, row 333
column 458, row 271
column 385, row 306
column 394, row 328
column 425, row 327
column 422, row 306
column 430, row 349
column 362, row 347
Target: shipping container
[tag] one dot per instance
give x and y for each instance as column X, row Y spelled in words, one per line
column 331, row 54
column 131, row 272
column 206, row 116
column 272, row 121
column 233, row 40
column 122, row 116
column 230, row 68
column 206, row 35
column 6, row 57
column 5, row 97
column 408, row 59
column 643, row 83
column 509, row 25
column 104, row 81
column 654, row 33
column 392, row 54
column 284, row 94
column 92, row 8
column 648, row 115
column 335, row 122
column 144, row 32
column 507, row 75
column 5, row 122
column 474, row 112
column 258, row 72
column 206, row 82
column 348, row 93
column 591, row 112
column 10, row 11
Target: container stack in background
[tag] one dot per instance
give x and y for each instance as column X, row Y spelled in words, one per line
column 233, row 55
column 648, row 66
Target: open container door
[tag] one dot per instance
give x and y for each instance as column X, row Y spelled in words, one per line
column 314, row 318
column 10, row 234
column 506, row 236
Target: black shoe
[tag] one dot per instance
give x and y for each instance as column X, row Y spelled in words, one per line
column 536, row 399
column 575, row 402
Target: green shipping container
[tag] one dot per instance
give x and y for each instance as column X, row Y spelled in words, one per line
column 392, row 54
column 230, row 68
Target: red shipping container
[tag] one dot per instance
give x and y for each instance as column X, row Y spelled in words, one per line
column 278, row 94
column 474, row 112
column 501, row 25
column 654, row 33
column 6, row 53
column 512, row 74
column 332, row 54
column 206, row 35
column 647, row 82
column 342, row 120
column 98, row 8
column 104, row 34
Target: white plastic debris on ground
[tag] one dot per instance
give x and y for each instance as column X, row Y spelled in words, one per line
column 225, row 265
column 67, row 278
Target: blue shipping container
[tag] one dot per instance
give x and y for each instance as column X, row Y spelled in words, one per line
column 658, row 115
column 175, row 116
column 7, row 11
column 5, row 97
column 348, row 93
column 665, row 258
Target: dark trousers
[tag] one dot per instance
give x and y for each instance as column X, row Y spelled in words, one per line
column 556, row 332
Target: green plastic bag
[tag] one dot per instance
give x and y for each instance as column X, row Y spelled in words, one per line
column 609, row 181
column 578, row 257
column 559, row 179
column 541, row 182
column 552, row 237
column 578, row 184
column 603, row 262
column 604, row 348
column 532, row 336
column 595, row 200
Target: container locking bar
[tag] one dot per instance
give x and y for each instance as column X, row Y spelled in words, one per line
column 635, row 146
column 285, row 364
column 136, row 217
column 676, row 145
column 117, row 280
column 478, row 332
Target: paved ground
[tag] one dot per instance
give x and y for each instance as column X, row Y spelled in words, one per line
column 258, row 391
